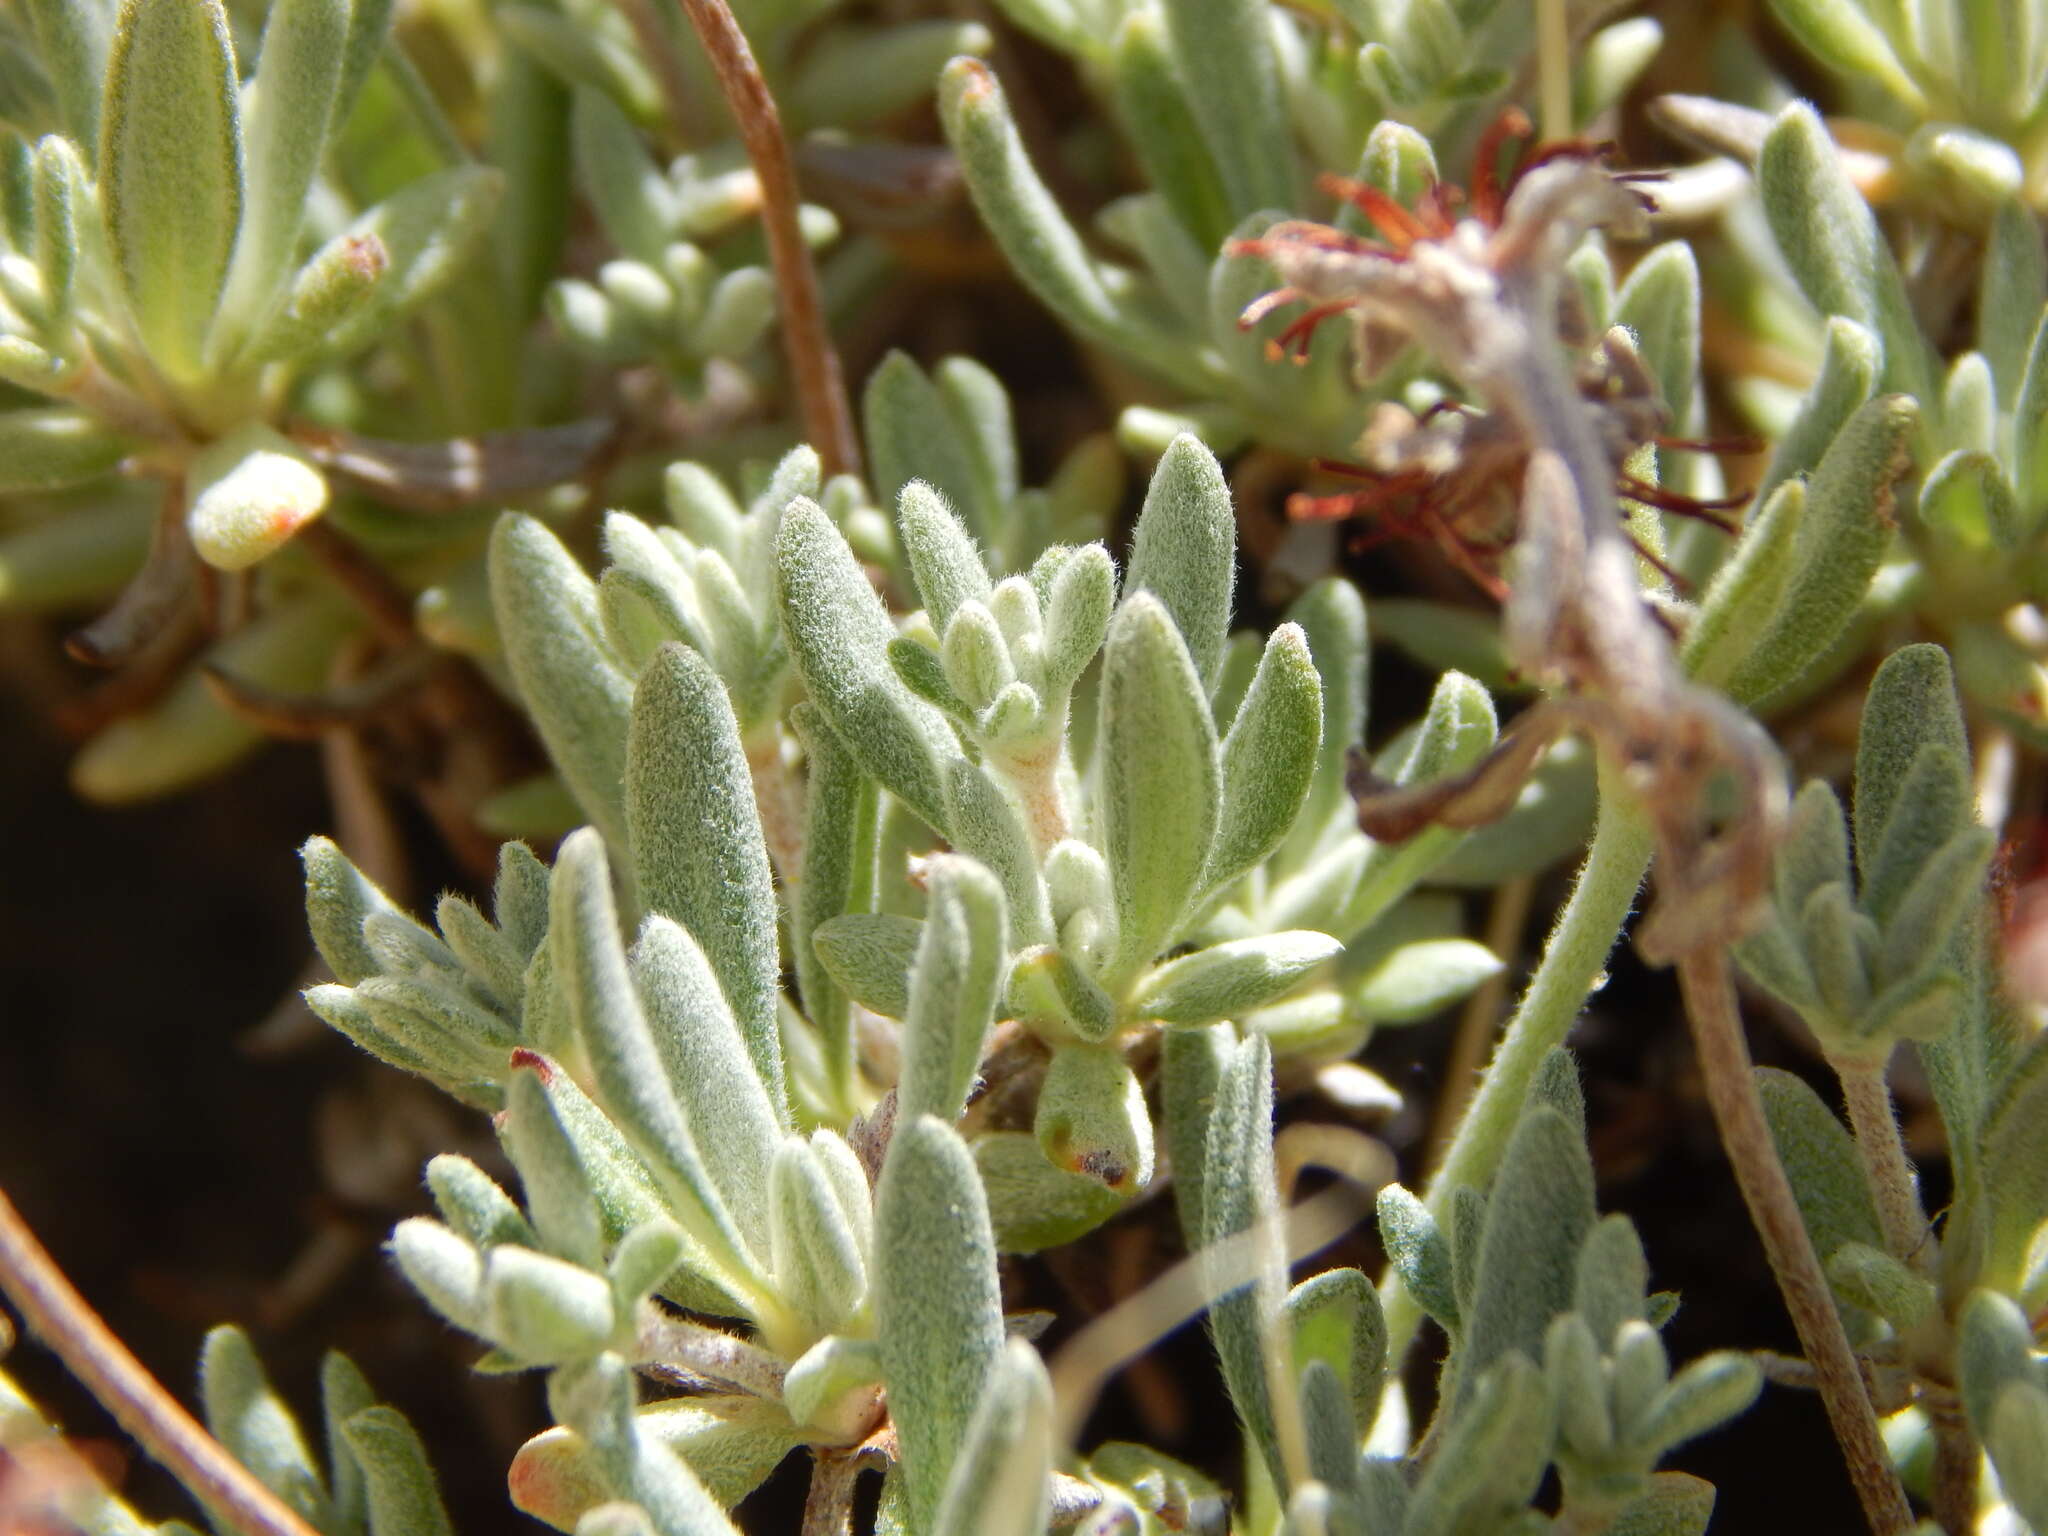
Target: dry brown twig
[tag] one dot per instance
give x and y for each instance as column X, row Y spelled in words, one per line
column 58, row 1315
column 813, row 362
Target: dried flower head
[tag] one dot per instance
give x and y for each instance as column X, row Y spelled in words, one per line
column 1487, row 295
column 1453, row 474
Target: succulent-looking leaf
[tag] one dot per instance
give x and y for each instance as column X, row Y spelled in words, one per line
column 954, row 983
column 1161, row 784
column 170, row 170
column 606, row 1015
column 1226, row 980
column 1184, row 550
column 839, row 636
column 1033, row 1204
column 938, row 1310
column 399, row 1488
column 248, row 493
column 246, row 1415
column 1270, row 757
column 1000, row 1483
column 566, row 671
column 698, row 853
column 1092, row 1118
column 1420, row 1254
column 1537, row 1213
column 870, row 955
column 705, row 1053
column 298, row 75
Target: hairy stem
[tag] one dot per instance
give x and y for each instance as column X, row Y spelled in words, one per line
column 66, row 1322
column 1504, row 922
column 1746, row 1136
column 1571, row 966
column 813, row 363
column 1885, row 1165
column 828, row 1507
column 675, row 1346
column 1957, row 1459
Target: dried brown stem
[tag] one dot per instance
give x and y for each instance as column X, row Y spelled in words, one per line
column 58, row 1315
column 813, row 363
column 1957, row 1463
column 1738, row 1110
column 828, row 1507
column 151, row 600
column 387, row 608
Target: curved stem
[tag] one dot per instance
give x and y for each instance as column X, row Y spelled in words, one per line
column 813, row 364
column 1730, row 1081
column 1573, row 957
column 58, row 1315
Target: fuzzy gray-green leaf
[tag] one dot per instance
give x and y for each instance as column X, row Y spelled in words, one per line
column 246, row 1416
column 943, row 556
column 1538, row 1211
column 1223, row 50
column 1185, row 549
column 298, row 75
column 1091, row 1117
column 1161, row 122
column 1837, row 545
column 1336, row 1318
column 839, row 636
column 428, row 231
column 838, row 877
column 1331, row 615
column 938, row 1309
column 605, row 1011
column 1820, row 1159
column 566, row 672
column 1226, row 980
column 1161, row 779
column 870, row 955
column 1420, row 1254
column 1660, row 304
column 399, row 1488
column 732, row 1116
column 72, row 38
column 1001, row 1478
column 698, row 852
column 170, row 170
column 1911, row 705
column 1020, row 212
column 911, row 437
column 339, row 897
column 816, row 1255
column 1270, row 757
column 954, row 985
column 558, row 1192
column 1238, row 1195
column 473, row 1205
column 1995, row 1351
column 1833, row 245
column 1077, row 614
column 1492, row 1456
column 1851, row 363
